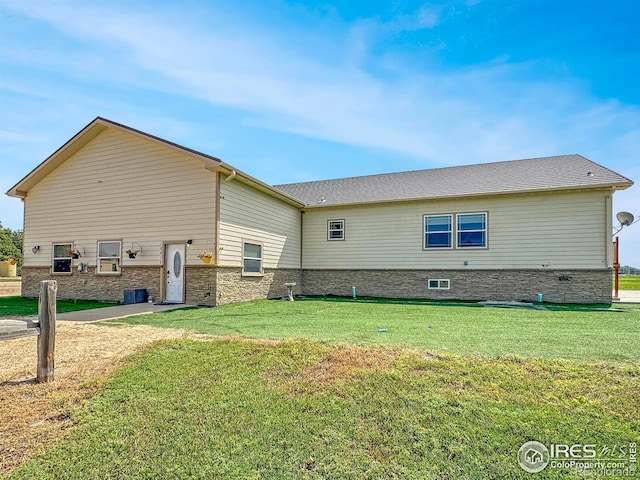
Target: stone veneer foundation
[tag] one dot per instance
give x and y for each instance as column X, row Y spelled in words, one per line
column 210, row 285
column 204, row 284
column 559, row 286
column 89, row 286
column 233, row 287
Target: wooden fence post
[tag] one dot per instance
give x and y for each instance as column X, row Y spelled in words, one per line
column 47, row 337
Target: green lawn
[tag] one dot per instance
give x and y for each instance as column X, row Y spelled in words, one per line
column 18, row 306
column 444, row 391
column 629, row 282
column 569, row 332
column 309, row 410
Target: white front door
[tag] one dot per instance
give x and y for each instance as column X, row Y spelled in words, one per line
column 174, row 263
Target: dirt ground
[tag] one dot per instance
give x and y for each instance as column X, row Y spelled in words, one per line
column 32, row 415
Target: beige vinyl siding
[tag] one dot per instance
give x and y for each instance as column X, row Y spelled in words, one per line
column 557, row 230
column 122, row 187
column 249, row 215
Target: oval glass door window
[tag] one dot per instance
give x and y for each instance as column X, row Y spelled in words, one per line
column 177, row 264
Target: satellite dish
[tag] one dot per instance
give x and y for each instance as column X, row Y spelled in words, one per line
column 625, row 218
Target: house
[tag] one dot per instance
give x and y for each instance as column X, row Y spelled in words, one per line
column 534, row 457
column 500, row 231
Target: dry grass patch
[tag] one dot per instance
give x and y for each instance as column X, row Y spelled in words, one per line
column 345, row 363
column 35, row 415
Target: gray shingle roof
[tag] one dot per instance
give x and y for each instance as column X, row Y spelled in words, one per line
column 534, row 174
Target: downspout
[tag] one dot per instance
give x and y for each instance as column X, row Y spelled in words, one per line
column 216, row 254
column 24, row 221
column 609, row 228
column 301, row 251
column 217, row 221
column 231, row 176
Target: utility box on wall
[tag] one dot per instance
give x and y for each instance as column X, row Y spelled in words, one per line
column 139, row 295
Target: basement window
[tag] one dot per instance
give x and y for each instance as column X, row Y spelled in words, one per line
column 61, row 262
column 335, row 230
column 109, row 257
column 439, row 284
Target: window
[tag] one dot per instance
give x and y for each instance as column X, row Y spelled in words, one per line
column 109, row 257
column 472, row 230
column 335, row 230
column 437, row 231
column 439, row 284
column 61, row 262
column 252, row 259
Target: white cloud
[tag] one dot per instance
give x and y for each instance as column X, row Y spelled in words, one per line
column 7, row 136
column 428, row 16
column 474, row 115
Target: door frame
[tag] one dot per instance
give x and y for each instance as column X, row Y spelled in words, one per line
column 165, row 248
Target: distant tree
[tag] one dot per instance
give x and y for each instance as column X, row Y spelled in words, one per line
column 16, row 238
column 10, row 243
column 627, row 270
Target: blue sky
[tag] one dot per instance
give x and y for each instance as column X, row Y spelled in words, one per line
column 296, row 91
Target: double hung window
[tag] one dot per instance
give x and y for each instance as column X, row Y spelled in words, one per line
column 61, row 262
column 251, row 258
column 469, row 231
column 335, row 230
column 472, row 230
column 438, row 231
column 109, row 257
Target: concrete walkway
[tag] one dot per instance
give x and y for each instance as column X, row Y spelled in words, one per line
column 14, row 327
column 628, row 296
column 119, row 311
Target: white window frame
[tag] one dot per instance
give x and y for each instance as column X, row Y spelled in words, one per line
column 99, row 258
column 67, row 256
column 451, row 231
column 440, row 284
column 261, row 259
column 483, row 230
column 330, row 230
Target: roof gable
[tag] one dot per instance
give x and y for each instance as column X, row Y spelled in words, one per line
column 81, row 139
column 516, row 176
column 99, row 125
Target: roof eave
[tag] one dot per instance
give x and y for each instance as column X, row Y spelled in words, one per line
column 257, row 184
column 617, row 186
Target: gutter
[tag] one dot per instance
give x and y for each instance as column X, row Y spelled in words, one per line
column 471, row 195
column 233, row 174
